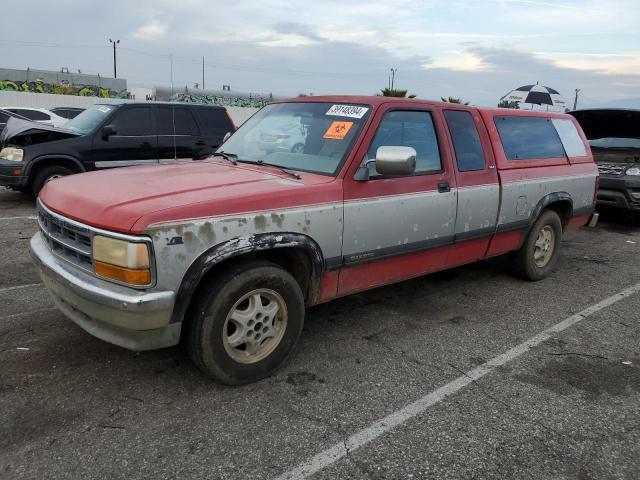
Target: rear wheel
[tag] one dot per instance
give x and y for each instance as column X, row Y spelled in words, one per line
column 297, row 148
column 539, row 253
column 48, row 174
column 245, row 322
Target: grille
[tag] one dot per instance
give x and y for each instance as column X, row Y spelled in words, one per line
column 67, row 240
column 611, row 168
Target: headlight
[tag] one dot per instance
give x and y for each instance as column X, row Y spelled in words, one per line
column 126, row 262
column 12, row 154
column 633, row 171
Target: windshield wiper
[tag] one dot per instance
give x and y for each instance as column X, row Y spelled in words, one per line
column 232, row 157
column 295, row 175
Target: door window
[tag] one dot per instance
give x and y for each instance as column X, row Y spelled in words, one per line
column 176, row 121
column 216, row 121
column 408, row 129
column 133, row 122
column 466, row 141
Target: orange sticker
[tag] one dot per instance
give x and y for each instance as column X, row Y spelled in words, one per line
column 337, row 130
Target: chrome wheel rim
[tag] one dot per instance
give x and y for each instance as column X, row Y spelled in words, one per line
column 544, row 246
column 53, row 177
column 255, row 326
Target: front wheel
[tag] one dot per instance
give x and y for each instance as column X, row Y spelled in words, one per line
column 539, row 253
column 245, row 322
column 297, row 148
column 46, row 175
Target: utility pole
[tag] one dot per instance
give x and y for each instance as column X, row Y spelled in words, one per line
column 393, row 76
column 203, row 72
column 171, row 71
column 575, row 100
column 114, row 42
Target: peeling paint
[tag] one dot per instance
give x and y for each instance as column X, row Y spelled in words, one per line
column 278, row 219
column 260, row 222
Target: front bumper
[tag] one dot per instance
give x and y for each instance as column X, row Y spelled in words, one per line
column 131, row 319
column 619, row 191
column 8, row 175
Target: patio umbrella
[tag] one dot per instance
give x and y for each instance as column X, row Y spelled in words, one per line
column 535, row 94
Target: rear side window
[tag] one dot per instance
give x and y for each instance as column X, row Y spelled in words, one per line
column 409, row 129
column 215, row 120
column 466, row 141
column 526, row 138
column 31, row 114
column 133, row 122
column 570, row 137
column 181, row 118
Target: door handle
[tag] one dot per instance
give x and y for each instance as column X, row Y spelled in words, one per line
column 443, row 187
column 201, row 143
column 145, row 145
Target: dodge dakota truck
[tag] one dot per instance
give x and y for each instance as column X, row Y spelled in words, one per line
column 225, row 254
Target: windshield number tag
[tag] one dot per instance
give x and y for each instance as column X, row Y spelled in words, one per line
column 352, row 111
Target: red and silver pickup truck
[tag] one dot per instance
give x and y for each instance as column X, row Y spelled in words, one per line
column 225, row 254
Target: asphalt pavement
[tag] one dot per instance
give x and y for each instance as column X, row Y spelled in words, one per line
column 511, row 379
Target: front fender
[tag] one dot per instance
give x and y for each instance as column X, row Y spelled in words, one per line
column 243, row 246
column 43, row 158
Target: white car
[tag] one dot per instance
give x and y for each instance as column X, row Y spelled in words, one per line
column 40, row 115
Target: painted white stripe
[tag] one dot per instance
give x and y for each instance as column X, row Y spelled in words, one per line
column 382, row 426
column 18, row 287
column 26, row 217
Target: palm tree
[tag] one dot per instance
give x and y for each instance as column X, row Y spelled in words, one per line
column 392, row 92
column 453, row 100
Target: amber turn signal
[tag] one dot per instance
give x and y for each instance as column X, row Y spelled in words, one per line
column 122, row 274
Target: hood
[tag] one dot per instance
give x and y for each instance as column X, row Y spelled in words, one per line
column 609, row 123
column 21, row 133
column 130, row 199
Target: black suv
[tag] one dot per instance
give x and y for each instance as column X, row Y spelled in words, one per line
column 107, row 136
column 614, row 137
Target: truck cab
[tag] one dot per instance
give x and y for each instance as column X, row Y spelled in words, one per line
column 225, row 254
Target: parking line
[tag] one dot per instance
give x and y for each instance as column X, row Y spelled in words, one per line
column 18, row 287
column 340, row 450
column 26, row 217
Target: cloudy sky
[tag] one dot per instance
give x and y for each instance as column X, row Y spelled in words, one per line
column 474, row 49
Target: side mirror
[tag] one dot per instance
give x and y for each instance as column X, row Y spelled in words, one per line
column 226, row 137
column 395, row 160
column 389, row 161
column 107, row 131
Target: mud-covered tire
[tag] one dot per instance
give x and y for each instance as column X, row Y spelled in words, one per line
column 207, row 336
column 47, row 175
column 532, row 262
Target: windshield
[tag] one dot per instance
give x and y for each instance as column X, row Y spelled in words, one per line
column 88, row 120
column 311, row 137
column 614, row 142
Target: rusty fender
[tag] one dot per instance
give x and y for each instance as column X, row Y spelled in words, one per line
column 246, row 245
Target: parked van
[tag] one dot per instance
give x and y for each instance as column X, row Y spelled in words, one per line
column 226, row 253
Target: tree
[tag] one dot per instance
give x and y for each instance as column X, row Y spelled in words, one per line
column 392, row 92
column 508, row 104
column 453, row 100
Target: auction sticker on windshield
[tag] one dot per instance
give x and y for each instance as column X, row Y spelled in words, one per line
column 337, row 130
column 353, row 111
